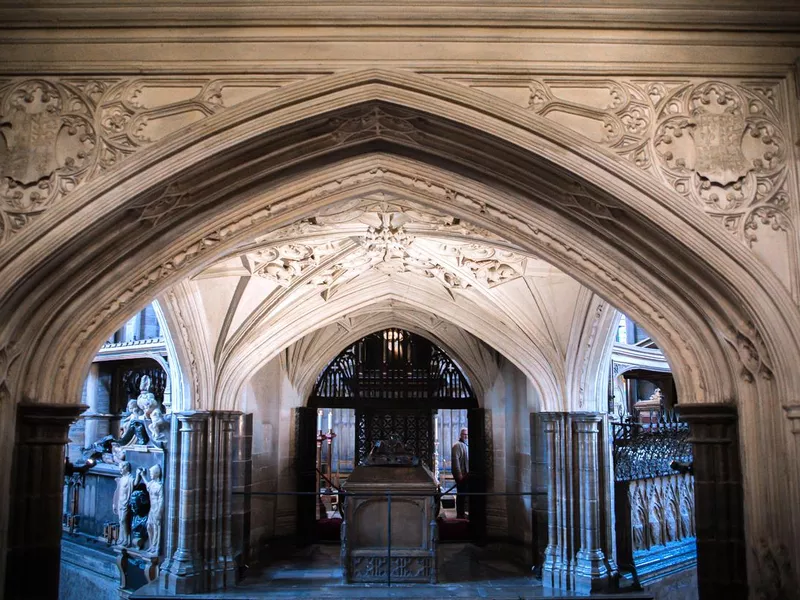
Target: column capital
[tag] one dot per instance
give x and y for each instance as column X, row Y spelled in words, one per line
column 586, row 422
column 192, row 416
column 708, row 413
column 46, row 423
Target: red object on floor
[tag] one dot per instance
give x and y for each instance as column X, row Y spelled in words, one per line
column 453, row 529
column 329, row 529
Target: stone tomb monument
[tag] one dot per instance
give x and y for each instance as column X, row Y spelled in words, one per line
column 375, row 547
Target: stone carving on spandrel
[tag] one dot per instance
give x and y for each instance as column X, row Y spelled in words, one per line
column 60, row 133
column 8, row 354
column 751, row 353
column 612, row 113
column 775, row 574
column 50, row 143
column 721, row 146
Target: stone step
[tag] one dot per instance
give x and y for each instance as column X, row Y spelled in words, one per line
column 465, row 591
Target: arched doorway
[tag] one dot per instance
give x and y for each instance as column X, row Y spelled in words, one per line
column 727, row 325
column 395, row 383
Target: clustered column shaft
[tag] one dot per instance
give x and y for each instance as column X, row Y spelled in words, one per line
column 574, row 559
column 203, row 558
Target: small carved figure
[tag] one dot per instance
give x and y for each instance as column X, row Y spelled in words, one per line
column 132, row 413
column 139, row 507
column 155, row 490
column 159, row 426
column 687, row 528
column 146, row 401
column 637, row 521
column 122, row 498
column 670, row 515
column 133, row 426
column 671, row 522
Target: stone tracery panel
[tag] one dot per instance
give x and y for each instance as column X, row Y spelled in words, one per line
column 59, row 133
column 722, row 145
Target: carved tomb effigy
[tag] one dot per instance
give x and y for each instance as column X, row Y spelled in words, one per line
column 390, row 540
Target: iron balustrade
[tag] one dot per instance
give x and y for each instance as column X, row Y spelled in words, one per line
column 644, row 450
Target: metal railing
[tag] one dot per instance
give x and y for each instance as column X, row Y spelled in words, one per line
column 644, row 450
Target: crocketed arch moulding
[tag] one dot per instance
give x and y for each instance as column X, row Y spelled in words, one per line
column 231, row 170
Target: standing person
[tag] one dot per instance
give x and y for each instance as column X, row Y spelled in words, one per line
column 459, row 463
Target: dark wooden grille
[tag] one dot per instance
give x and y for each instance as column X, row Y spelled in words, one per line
column 392, row 368
column 395, row 380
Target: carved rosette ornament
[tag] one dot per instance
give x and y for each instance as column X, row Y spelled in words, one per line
column 722, row 148
column 50, row 144
column 284, row 264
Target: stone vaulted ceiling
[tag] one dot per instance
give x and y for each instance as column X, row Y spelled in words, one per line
column 381, row 260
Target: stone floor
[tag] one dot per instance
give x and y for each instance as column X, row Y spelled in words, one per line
column 465, row 572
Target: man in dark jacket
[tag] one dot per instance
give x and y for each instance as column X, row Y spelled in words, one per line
column 459, row 464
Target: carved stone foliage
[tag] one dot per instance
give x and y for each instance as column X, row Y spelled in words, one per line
column 386, row 248
column 722, row 148
column 283, row 264
column 776, row 578
column 371, row 211
column 615, row 114
column 662, row 510
column 57, row 133
column 8, row 355
column 719, row 144
column 388, row 236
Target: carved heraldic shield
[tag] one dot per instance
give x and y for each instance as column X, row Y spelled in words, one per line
column 718, row 143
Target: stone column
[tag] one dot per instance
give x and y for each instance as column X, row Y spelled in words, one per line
column 203, row 557
column 719, row 515
column 557, row 568
column 220, row 477
column 791, row 576
column 242, row 479
column 37, row 482
column 95, row 418
column 591, row 573
column 184, row 572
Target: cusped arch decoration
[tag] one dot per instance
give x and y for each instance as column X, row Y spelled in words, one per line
column 726, row 323
column 473, row 356
column 194, row 195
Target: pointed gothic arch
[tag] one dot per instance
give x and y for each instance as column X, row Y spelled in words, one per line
column 726, row 323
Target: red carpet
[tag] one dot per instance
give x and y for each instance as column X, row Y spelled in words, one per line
column 453, row 530
column 328, row 530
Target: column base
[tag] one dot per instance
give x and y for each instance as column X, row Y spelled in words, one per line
column 555, row 574
column 591, row 574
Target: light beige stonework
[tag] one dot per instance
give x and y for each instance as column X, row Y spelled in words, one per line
column 136, row 164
